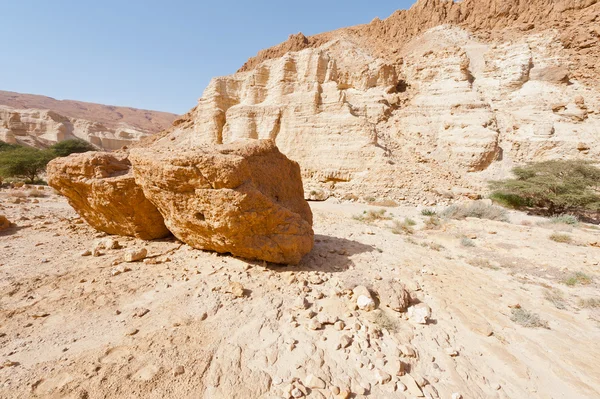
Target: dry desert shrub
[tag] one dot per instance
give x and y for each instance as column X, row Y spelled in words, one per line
column 428, row 212
column 482, row 263
column 577, row 278
column 589, row 303
column 35, row 193
column 528, row 319
column 18, row 194
column 555, row 297
column 566, row 218
column 433, row 223
column 433, row 245
column 372, row 216
column 404, row 227
column 387, row 203
column 467, row 242
column 479, row 210
column 562, row 238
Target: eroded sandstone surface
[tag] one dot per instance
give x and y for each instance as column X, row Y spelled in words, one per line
column 244, row 198
column 101, row 187
column 433, row 101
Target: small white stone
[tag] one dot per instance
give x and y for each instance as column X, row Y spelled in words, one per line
column 339, row 325
column 419, row 313
column 314, row 382
column 314, row 325
column 451, row 352
column 134, row 255
column 365, row 303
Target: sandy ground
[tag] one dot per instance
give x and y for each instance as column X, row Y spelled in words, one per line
column 170, row 327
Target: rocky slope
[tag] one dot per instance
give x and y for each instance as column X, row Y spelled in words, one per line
column 40, row 121
column 433, row 101
column 188, row 323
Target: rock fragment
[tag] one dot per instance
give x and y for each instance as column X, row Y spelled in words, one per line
column 393, row 294
column 135, row 255
column 314, row 382
column 419, row 313
column 363, row 298
column 237, row 289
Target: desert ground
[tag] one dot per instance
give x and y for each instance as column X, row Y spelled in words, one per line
column 514, row 313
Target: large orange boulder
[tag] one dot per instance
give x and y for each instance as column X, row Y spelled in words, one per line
column 244, row 198
column 4, row 223
column 101, row 188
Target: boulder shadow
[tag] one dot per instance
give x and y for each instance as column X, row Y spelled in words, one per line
column 329, row 254
column 12, row 230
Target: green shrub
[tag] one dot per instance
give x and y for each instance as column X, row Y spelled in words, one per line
column 428, row 212
column 24, row 162
column 7, row 147
column 552, row 186
column 565, row 219
column 72, row 146
column 477, row 210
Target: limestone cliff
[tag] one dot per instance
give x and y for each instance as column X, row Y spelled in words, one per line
column 40, row 121
column 431, row 102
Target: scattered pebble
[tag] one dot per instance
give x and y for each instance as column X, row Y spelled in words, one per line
column 132, row 331
column 135, row 255
column 314, row 382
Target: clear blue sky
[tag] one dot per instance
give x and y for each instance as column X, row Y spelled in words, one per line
column 152, row 54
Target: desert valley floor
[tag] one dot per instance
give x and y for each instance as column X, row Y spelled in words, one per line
column 188, row 323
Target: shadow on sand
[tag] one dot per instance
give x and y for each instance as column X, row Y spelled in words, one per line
column 330, row 254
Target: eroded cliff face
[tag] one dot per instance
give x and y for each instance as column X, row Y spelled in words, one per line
column 433, row 101
column 41, row 121
column 40, row 128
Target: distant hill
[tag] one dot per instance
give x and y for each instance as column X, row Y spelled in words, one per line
column 39, row 120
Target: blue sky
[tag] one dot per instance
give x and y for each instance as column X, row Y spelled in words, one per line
column 152, row 54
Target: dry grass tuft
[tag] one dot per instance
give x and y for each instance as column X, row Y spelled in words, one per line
column 589, row 303
column 571, row 220
column 482, row 263
column 428, row 212
column 372, row 216
column 404, row 227
column 387, row 203
column 577, row 278
column 555, row 297
column 528, row 319
column 476, row 210
column 433, row 223
column 562, row 238
column 467, row 242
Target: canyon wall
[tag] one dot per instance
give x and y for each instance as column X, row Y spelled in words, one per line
column 432, row 102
